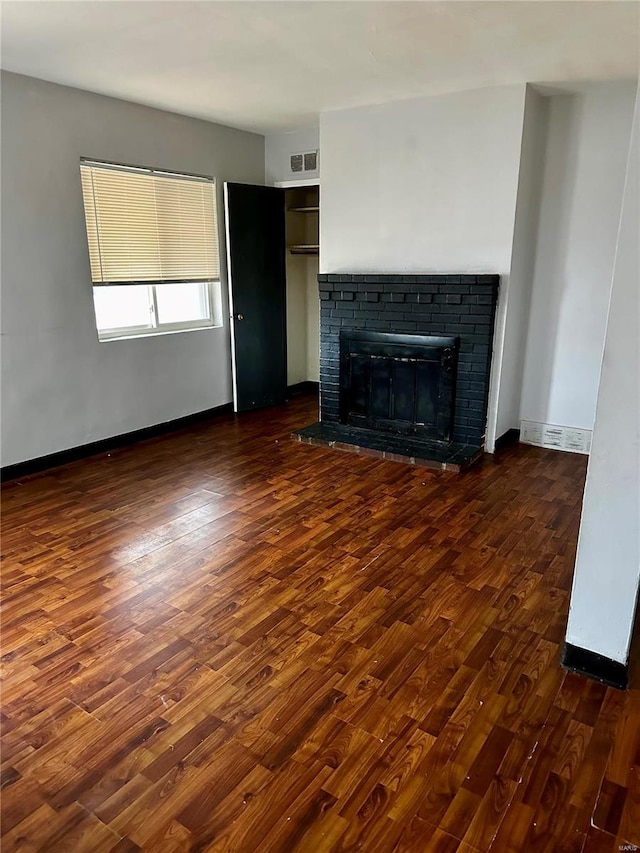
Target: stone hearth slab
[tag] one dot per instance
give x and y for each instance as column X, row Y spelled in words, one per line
column 439, row 455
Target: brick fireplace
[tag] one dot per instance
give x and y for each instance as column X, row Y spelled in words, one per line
column 452, row 314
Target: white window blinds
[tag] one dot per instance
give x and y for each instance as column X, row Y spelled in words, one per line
column 148, row 226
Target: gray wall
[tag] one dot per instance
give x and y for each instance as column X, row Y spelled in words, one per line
column 280, row 146
column 60, row 386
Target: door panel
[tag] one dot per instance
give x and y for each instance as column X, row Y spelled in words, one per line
column 257, row 294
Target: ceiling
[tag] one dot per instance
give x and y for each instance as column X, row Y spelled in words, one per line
column 271, row 66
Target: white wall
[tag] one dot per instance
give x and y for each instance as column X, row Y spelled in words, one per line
column 60, row 386
column 607, row 573
column 426, row 185
column 278, row 149
column 586, row 151
column 509, row 359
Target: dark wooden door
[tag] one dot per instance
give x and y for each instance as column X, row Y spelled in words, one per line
column 257, row 294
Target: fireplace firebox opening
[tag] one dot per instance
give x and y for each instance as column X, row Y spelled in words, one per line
column 398, row 382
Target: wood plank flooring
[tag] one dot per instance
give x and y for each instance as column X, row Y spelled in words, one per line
column 225, row 640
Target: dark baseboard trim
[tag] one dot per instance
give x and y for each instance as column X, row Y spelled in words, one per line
column 104, row 445
column 300, row 388
column 511, row 436
column 593, row 665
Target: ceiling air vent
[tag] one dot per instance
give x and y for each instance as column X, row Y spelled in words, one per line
column 305, row 162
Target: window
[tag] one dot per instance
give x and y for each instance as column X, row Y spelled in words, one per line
column 153, row 250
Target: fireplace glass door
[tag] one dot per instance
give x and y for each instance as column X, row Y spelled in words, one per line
column 398, row 383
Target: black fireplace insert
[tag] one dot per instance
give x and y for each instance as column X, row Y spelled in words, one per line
column 398, row 383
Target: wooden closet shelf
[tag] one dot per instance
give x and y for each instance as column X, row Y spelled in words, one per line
column 305, row 249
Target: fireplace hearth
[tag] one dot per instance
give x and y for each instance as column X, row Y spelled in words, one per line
column 404, row 366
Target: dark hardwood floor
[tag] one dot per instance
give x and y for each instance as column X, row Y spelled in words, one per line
column 225, row 640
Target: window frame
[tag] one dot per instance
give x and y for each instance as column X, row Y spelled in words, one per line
column 215, row 317
column 212, row 287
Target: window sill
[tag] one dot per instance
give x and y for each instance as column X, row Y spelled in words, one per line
column 155, row 333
